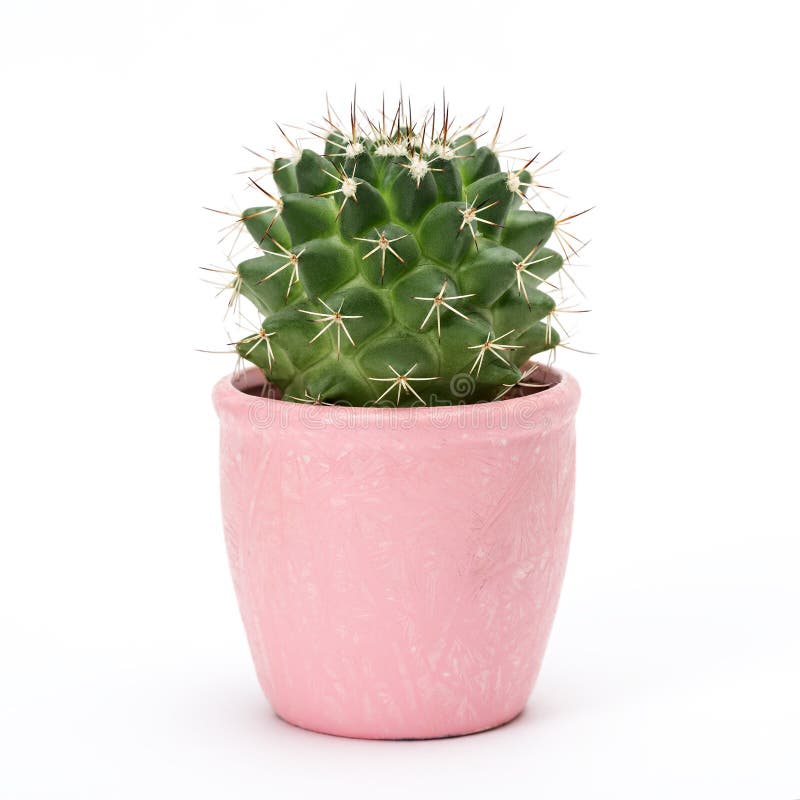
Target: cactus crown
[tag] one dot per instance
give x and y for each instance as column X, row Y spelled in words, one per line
column 400, row 266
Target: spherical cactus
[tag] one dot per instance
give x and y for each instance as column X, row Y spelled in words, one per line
column 401, row 266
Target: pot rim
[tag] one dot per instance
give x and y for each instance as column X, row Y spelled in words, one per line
column 558, row 403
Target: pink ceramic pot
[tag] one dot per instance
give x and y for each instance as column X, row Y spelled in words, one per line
column 397, row 570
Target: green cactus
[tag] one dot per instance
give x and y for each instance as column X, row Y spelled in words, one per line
column 401, row 266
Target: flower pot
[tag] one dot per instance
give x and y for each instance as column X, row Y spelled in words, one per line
column 397, row 570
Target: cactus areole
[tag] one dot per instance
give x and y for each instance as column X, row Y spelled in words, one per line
column 402, row 265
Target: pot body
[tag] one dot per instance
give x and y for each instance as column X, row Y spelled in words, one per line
column 397, row 570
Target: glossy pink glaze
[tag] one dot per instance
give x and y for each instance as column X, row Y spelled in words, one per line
column 397, row 570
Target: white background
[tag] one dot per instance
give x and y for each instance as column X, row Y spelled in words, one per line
column 674, row 666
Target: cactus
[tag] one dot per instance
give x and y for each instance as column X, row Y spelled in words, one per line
column 400, row 266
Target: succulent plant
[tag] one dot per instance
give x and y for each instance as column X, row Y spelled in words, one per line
column 400, row 266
